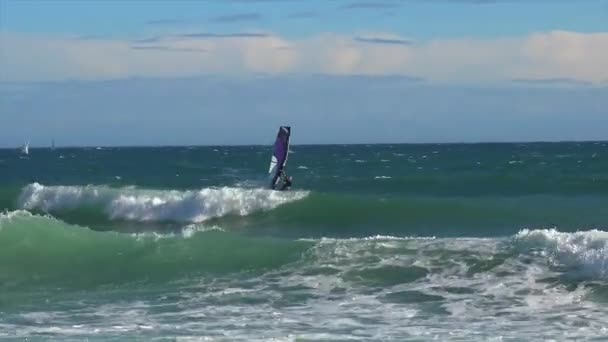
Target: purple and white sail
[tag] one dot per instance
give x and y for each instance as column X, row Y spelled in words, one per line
column 279, row 155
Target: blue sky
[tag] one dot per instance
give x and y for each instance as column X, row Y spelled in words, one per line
column 85, row 72
column 422, row 19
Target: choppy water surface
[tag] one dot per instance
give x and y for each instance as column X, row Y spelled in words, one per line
column 375, row 242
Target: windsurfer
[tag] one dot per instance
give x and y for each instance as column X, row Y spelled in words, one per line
column 287, row 180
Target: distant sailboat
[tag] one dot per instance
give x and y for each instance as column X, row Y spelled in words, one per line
column 53, row 145
column 25, row 149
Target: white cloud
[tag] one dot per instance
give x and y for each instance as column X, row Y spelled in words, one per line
column 547, row 55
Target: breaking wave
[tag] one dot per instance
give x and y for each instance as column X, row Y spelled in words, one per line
column 584, row 254
column 155, row 205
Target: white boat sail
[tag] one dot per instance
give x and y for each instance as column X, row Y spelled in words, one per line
column 25, row 149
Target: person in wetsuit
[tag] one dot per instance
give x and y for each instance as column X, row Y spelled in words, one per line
column 286, row 182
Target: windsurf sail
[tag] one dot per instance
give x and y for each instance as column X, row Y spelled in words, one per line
column 25, row 149
column 279, row 155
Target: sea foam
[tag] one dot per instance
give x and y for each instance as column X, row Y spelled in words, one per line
column 583, row 253
column 156, row 205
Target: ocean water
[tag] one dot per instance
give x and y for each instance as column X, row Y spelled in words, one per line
column 501, row 242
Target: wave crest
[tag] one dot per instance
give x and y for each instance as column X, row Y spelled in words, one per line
column 583, row 253
column 156, row 205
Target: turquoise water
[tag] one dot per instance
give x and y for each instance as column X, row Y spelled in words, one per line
column 375, row 242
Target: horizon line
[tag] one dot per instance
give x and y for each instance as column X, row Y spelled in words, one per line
column 45, row 147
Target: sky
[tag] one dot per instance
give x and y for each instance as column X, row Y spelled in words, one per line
column 155, row 72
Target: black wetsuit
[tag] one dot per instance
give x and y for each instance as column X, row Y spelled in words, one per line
column 286, row 184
